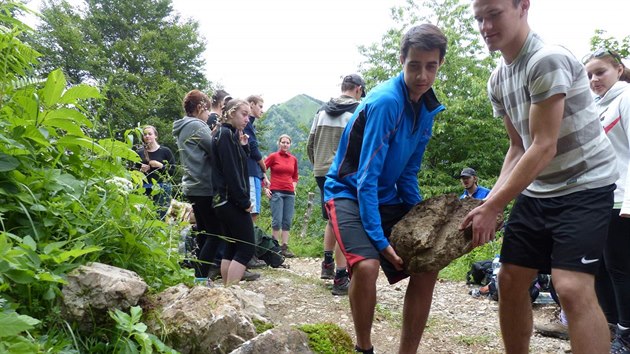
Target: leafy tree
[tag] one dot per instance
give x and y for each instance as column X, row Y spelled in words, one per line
column 601, row 40
column 466, row 134
column 139, row 52
column 66, row 198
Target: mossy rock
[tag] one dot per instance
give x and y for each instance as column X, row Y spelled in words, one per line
column 327, row 338
column 262, row 326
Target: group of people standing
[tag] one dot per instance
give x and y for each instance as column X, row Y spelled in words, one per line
column 567, row 175
column 223, row 177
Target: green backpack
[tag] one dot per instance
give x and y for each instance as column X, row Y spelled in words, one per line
column 267, row 248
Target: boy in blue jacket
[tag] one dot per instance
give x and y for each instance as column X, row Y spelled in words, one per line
column 372, row 183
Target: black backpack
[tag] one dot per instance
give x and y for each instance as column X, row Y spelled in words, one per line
column 480, row 273
column 267, row 248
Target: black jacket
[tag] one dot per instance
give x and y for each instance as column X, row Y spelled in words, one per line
column 230, row 177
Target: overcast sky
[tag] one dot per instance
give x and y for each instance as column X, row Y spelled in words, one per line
column 282, row 48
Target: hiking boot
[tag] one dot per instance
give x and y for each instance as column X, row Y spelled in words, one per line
column 256, row 263
column 613, row 331
column 621, row 343
column 553, row 329
column 250, row 276
column 214, row 273
column 340, row 286
column 284, row 250
column 328, row 270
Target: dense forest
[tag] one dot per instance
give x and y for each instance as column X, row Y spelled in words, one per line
column 72, row 94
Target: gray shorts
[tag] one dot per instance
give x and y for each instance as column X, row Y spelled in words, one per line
column 354, row 241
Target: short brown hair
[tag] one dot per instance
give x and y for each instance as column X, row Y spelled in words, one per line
column 254, row 99
column 425, row 37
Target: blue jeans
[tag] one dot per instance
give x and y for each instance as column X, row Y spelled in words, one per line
column 282, row 209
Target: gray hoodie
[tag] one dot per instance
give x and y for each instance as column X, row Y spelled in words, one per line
column 326, row 130
column 194, row 142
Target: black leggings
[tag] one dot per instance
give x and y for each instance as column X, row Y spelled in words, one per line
column 612, row 283
column 209, row 228
column 239, row 228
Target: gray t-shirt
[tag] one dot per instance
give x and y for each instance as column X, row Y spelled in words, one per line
column 584, row 158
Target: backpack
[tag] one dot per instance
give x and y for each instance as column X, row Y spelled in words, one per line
column 267, row 248
column 480, row 273
column 534, row 289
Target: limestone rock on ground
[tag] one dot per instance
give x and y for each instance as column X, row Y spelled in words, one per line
column 428, row 237
column 95, row 288
column 206, row 320
column 282, row 340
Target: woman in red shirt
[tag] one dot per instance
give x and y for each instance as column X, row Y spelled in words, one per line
column 284, row 178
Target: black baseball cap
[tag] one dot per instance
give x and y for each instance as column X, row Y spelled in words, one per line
column 357, row 80
column 468, row 172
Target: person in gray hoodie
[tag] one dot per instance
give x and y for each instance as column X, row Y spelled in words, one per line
column 326, row 130
column 194, row 142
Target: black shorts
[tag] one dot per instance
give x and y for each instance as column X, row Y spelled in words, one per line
column 566, row 232
column 354, row 241
column 320, row 183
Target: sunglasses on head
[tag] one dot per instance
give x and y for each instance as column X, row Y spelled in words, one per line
column 599, row 53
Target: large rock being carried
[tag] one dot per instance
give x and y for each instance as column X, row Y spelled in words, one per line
column 428, row 237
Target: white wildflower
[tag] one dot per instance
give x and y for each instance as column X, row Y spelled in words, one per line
column 123, row 185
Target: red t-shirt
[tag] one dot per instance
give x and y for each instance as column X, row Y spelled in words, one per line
column 284, row 171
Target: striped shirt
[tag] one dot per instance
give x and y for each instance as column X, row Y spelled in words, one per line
column 584, row 157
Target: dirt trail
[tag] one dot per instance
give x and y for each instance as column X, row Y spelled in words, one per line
column 458, row 323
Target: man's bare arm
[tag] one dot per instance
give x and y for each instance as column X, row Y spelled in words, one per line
column 545, row 119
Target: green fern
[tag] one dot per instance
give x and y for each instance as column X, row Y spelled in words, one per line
column 24, row 82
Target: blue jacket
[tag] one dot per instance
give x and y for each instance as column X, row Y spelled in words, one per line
column 380, row 153
column 480, row 193
column 254, row 153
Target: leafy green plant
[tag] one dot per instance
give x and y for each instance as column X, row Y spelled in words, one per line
column 66, row 198
column 12, row 325
column 132, row 336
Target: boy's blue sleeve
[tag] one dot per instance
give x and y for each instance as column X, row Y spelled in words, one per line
column 380, row 123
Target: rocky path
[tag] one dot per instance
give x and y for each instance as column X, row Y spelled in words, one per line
column 458, row 323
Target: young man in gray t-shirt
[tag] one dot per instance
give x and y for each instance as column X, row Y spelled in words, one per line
column 559, row 167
